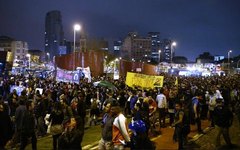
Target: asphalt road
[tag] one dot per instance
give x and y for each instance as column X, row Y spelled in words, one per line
column 163, row 142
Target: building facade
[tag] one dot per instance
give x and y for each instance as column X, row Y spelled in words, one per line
column 18, row 49
column 155, row 46
column 54, row 35
column 167, row 50
column 136, row 48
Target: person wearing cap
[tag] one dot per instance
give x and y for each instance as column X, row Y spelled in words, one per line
column 120, row 135
column 223, row 118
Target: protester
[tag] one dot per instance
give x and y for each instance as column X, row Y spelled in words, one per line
column 6, row 126
column 223, row 118
column 162, row 108
column 107, row 124
column 120, row 136
column 178, row 124
column 71, row 137
column 139, row 136
column 197, row 111
column 56, row 118
column 28, row 127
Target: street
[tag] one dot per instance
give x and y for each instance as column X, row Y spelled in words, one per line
column 163, row 141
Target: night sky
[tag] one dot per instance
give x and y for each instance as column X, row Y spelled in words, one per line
column 196, row 25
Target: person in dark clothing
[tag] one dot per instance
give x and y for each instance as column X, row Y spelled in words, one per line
column 72, row 135
column 139, row 137
column 6, row 125
column 18, row 125
column 13, row 102
column 178, row 124
column 81, row 107
column 56, row 117
column 28, row 127
column 223, row 118
column 106, row 141
column 196, row 108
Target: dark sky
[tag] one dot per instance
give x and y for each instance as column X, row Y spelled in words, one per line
column 196, row 25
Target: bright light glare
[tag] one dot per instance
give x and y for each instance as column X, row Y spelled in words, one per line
column 174, row 44
column 77, row 27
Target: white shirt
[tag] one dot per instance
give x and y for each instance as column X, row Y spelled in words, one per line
column 212, row 102
column 161, row 100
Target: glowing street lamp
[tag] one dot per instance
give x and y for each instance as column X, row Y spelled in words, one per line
column 159, row 55
column 29, row 60
column 76, row 27
column 230, row 51
column 174, row 44
column 48, row 57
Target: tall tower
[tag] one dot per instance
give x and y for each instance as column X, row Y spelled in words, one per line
column 155, row 39
column 54, row 35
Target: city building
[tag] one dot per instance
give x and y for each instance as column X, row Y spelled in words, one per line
column 155, row 47
column 136, row 48
column 117, row 46
column 17, row 48
column 167, row 50
column 54, row 35
column 6, row 43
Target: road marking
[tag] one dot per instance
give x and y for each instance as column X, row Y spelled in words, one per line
column 90, row 145
column 153, row 139
column 94, row 148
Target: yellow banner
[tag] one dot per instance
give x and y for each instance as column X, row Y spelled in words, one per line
column 144, row 81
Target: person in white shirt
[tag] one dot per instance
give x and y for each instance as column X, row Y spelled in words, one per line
column 162, row 107
column 211, row 105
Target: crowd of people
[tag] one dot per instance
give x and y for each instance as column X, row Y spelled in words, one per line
column 129, row 115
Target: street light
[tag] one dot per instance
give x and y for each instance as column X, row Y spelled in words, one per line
column 229, row 60
column 159, row 52
column 48, row 57
column 172, row 51
column 76, row 27
column 29, row 60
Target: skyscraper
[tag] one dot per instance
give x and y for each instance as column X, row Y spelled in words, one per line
column 54, row 35
column 155, row 39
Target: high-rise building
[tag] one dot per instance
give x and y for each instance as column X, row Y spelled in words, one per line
column 167, row 53
column 136, row 48
column 54, row 35
column 155, row 47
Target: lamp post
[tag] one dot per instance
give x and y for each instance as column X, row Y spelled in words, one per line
column 229, row 60
column 159, row 57
column 29, row 60
column 76, row 27
column 48, row 57
column 172, row 51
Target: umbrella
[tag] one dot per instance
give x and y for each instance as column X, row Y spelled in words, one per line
column 105, row 84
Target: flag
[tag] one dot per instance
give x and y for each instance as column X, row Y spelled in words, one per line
column 176, row 81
